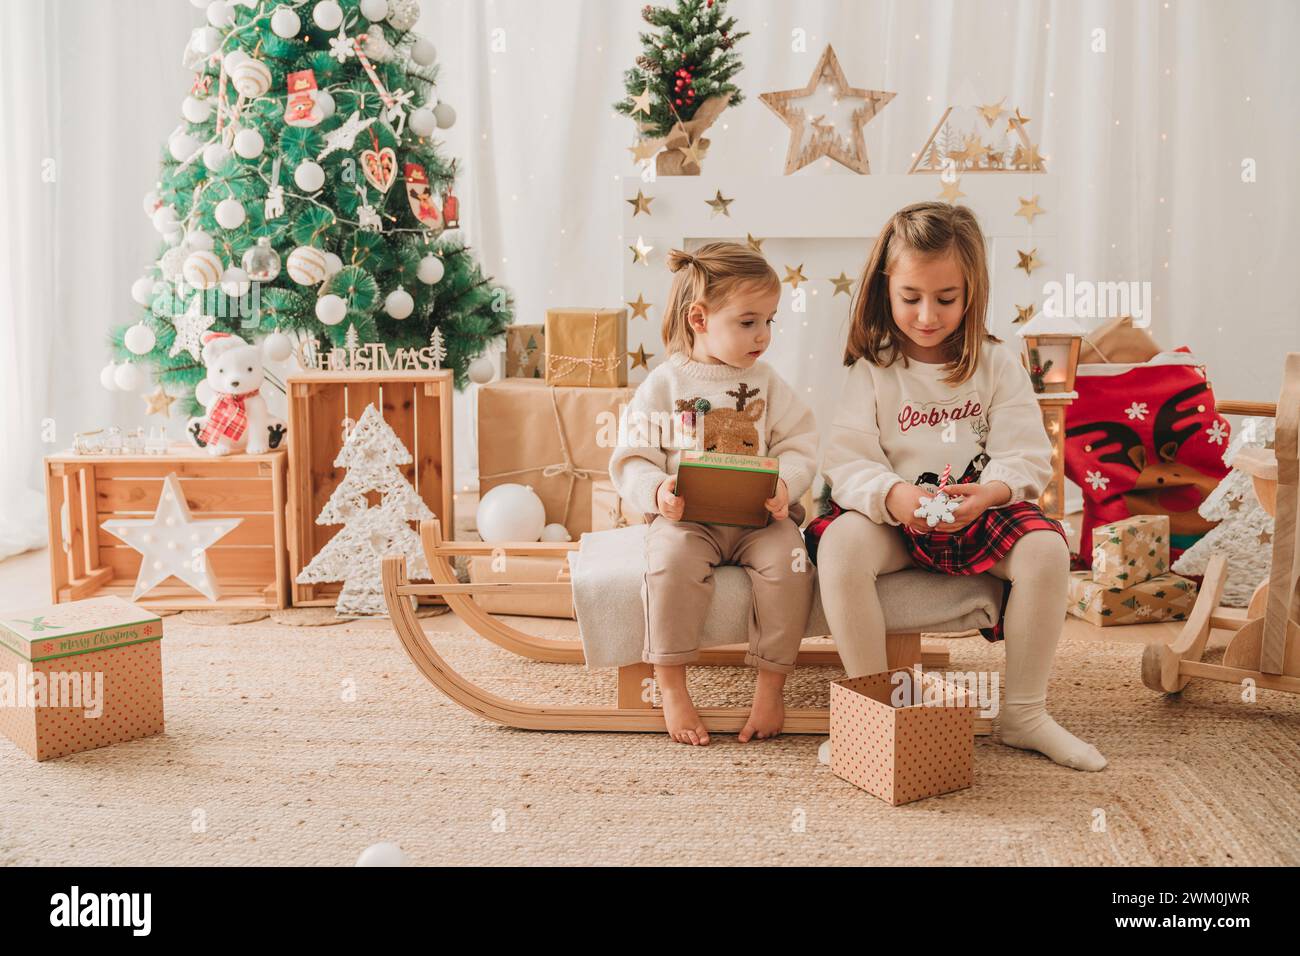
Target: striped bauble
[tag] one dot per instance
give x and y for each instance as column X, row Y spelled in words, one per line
column 251, row 77
column 307, row 265
column 202, row 269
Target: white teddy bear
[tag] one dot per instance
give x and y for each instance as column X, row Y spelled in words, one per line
column 237, row 418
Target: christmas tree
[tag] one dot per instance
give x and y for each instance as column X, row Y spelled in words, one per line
column 1244, row 533
column 304, row 192
column 689, row 60
column 372, row 453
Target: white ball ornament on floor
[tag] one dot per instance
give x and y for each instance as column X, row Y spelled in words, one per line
column 198, row 239
column 202, row 269
column 556, row 532
column 196, row 110
column 309, row 176
column 482, row 370
column 142, row 290
column 129, row 377
column 331, row 309
column 374, row 10
column 182, row 146
column 382, row 854
column 332, row 264
column 424, row 52
column 327, row 15
column 510, row 512
column 306, row 265
column 215, row 155
column 139, row 339
column 285, row 23
column 235, row 282
column 277, row 346
column 399, row 304
column 431, row 270
column 164, row 219
column 248, row 144
column 220, row 15
column 229, row 214
column 108, row 376
column 445, row 115
column 251, row 77
column 422, row 122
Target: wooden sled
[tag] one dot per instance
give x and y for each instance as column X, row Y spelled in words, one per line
column 633, row 709
column 1266, row 647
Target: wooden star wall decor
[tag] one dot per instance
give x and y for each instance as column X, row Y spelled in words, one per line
column 812, row 137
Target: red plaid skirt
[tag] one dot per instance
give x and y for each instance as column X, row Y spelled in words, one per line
column 972, row 550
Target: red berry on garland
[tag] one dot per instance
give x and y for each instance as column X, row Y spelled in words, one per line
column 678, row 102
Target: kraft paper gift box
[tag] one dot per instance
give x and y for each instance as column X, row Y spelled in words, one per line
column 1128, row 552
column 555, row 440
column 523, row 570
column 525, row 354
column 1166, row 597
column 902, row 734
column 80, row 675
column 609, row 510
column 586, row 347
column 726, row 489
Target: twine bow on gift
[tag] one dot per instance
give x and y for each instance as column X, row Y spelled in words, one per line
column 561, row 366
column 566, row 467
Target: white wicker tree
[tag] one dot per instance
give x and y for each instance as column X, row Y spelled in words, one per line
column 372, row 453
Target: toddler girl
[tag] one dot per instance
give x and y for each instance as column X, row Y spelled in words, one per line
column 713, row 394
column 928, row 388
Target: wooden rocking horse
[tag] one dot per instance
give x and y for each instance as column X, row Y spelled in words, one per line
column 1266, row 648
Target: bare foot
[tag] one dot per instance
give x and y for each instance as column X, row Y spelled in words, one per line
column 683, row 721
column 767, row 714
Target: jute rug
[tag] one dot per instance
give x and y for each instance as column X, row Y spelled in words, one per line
column 290, row 745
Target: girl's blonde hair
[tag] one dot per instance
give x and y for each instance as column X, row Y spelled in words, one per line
column 708, row 275
column 926, row 229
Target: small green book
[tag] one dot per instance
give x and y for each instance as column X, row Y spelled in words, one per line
column 726, row 489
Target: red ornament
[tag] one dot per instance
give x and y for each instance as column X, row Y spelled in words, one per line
column 678, row 102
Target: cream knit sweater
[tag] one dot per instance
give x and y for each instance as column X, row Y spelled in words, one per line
column 901, row 423
column 683, row 405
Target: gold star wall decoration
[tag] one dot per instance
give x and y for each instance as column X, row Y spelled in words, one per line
column 639, row 307
column 755, row 244
column 1023, row 314
column 693, row 152
column 795, row 276
column 1027, row 158
column 640, row 251
column 645, row 149
column 1029, row 208
column 951, row 192
column 641, row 204
column 640, row 358
column 641, row 103
column 158, row 402
column 824, row 139
column 842, row 284
column 1017, row 119
column 1028, row 260
column 719, row 204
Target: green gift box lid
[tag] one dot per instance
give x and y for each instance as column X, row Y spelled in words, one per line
column 77, row 627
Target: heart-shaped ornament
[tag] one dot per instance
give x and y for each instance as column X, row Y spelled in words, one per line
column 379, row 167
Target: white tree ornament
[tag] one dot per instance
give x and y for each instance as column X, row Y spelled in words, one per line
column 1245, row 530
column 373, row 454
column 439, row 349
column 172, row 542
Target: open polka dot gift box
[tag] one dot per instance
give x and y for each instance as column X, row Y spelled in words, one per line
column 902, row 734
column 80, row 675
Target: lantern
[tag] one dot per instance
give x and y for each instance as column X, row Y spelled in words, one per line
column 1052, row 352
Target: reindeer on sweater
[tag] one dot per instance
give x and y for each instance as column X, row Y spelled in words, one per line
column 1153, row 478
column 729, row 431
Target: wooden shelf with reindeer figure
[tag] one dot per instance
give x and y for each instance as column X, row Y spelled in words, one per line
column 247, row 563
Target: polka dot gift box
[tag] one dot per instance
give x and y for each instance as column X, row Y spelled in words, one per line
column 903, row 734
column 80, row 675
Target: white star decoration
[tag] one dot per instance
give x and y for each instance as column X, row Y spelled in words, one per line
column 345, row 135
column 172, row 543
column 190, row 328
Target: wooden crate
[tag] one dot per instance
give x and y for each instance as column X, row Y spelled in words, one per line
column 250, row 563
column 416, row 405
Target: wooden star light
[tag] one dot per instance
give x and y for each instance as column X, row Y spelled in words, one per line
column 813, row 132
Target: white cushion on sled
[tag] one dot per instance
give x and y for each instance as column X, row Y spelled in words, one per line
column 608, row 567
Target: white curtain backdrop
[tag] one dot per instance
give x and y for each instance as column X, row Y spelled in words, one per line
column 1148, row 137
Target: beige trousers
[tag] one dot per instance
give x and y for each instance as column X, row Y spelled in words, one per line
column 678, row 587
column 854, row 550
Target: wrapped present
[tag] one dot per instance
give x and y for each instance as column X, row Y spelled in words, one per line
column 523, row 570
column 525, row 355
column 80, row 675
column 609, row 510
column 1166, row 597
column 586, row 347
column 555, row 440
column 1128, row 552
column 903, row 734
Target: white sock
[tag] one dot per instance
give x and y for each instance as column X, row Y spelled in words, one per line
column 1030, row 727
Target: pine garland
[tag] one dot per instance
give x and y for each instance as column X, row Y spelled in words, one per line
column 468, row 308
column 691, row 59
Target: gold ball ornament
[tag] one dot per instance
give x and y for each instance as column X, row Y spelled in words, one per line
column 307, row 265
column 202, row 269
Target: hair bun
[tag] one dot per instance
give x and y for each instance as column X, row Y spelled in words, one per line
column 679, row 258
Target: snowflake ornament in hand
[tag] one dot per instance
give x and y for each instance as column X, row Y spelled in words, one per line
column 938, row 508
